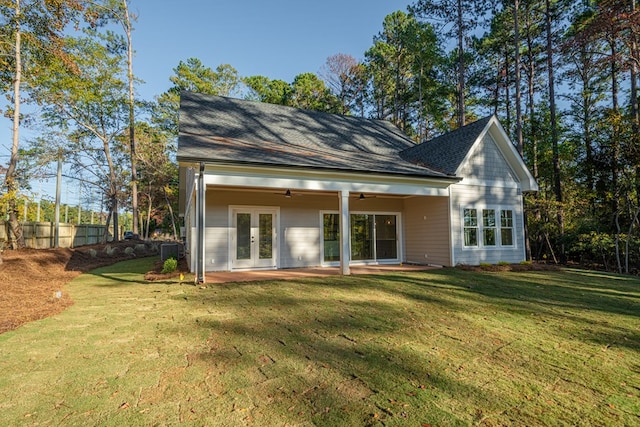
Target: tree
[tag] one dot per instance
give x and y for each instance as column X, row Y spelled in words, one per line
column 193, row 76
column 34, row 27
column 306, row 91
column 461, row 19
column 263, row 89
column 158, row 176
column 91, row 107
column 310, row 93
column 403, row 64
column 347, row 81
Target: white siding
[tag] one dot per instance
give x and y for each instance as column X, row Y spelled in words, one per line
column 298, row 240
column 501, row 192
column 487, row 163
column 426, row 231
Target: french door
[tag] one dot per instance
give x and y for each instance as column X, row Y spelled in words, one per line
column 254, row 235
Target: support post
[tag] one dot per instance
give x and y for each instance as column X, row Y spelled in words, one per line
column 200, row 225
column 345, row 225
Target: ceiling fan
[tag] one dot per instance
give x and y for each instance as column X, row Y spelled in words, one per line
column 288, row 194
column 362, row 197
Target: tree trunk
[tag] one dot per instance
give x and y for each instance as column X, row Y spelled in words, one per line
column 173, row 223
column 148, row 216
column 132, row 134
column 516, row 36
column 16, row 236
column 461, row 67
column 554, row 130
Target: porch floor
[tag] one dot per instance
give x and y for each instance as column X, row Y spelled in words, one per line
column 297, row 273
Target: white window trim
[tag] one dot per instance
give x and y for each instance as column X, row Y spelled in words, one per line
column 480, row 227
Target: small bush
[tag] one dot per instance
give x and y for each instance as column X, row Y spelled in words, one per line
column 93, row 253
column 129, row 251
column 504, row 263
column 170, row 265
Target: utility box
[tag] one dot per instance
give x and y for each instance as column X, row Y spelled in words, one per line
column 169, row 250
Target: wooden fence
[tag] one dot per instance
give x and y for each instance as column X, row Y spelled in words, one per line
column 41, row 235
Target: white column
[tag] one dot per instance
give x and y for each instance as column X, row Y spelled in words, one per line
column 200, row 226
column 345, row 226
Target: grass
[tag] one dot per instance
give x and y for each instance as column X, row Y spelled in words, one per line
column 444, row 347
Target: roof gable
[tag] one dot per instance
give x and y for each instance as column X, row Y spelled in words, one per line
column 449, row 153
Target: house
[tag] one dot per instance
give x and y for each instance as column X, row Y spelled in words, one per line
column 265, row 186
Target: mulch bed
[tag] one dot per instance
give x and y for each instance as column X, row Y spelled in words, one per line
column 32, row 280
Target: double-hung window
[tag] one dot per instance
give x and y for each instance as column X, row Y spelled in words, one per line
column 488, row 227
column 470, row 227
column 506, row 228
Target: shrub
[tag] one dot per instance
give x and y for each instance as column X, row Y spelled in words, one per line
column 170, row 265
column 129, row 251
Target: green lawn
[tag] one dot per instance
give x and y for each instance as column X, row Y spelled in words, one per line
column 443, row 347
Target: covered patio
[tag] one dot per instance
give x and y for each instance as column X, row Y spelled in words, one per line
column 303, row 273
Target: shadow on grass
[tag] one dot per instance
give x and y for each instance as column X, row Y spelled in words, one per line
column 123, row 273
column 583, row 299
column 299, row 342
column 309, row 348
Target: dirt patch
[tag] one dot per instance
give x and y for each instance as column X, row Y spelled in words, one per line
column 32, row 280
column 157, row 274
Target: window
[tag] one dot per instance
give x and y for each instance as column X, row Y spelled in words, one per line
column 488, row 227
column 470, row 227
column 491, row 230
column 506, row 228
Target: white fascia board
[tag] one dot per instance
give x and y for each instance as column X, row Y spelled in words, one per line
column 315, row 180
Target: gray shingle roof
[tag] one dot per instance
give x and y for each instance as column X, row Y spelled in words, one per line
column 221, row 129
column 446, row 152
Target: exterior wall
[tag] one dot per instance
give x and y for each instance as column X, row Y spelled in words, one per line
column 298, row 241
column 300, row 229
column 426, row 231
column 488, row 183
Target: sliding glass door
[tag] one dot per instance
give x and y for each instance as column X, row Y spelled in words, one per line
column 373, row 237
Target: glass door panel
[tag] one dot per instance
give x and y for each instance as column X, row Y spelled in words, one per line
column 362, row 237
column 243, row 236
column 266, row 235
column 331, row 234
column 386, row 241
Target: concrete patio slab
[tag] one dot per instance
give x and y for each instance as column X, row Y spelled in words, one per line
column 299, row 273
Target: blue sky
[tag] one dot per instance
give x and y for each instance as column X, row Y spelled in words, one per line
column 278, row 39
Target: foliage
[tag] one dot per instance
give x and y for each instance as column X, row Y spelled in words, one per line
column 192, row 75
column 306, row 91
column 169, row 266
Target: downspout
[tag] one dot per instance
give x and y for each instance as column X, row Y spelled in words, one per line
column 200, row 227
